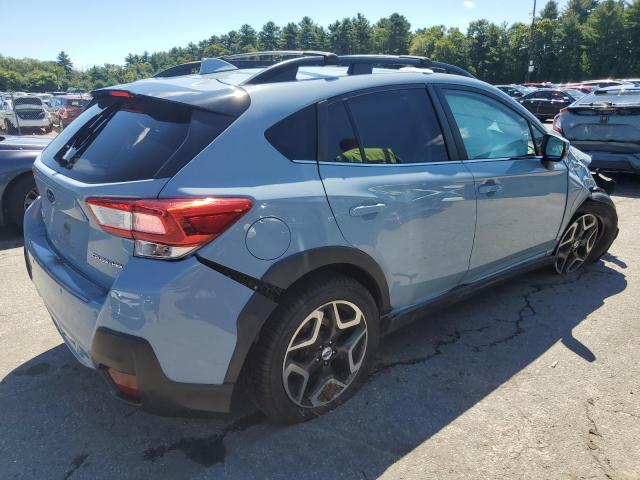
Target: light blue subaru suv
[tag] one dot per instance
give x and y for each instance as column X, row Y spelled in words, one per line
column 262, row 223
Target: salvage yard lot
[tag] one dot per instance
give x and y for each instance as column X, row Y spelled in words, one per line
column 536, row 378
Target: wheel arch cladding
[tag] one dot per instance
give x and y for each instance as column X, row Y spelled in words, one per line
column 293, row 270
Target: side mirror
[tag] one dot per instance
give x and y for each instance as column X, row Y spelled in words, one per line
column 554, row 149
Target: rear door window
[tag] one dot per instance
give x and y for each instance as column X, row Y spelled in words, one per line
column 342, row 142
column 127, row 139
column 390, row 127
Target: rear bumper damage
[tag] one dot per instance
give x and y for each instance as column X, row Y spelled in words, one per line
column 174, row 327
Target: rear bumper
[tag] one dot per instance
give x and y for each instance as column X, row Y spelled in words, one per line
column 615, row 161
column 39, row 123
column 175, row 325
column 158, row 394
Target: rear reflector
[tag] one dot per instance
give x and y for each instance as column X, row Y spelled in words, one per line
column 126, row 384
column 168, row 228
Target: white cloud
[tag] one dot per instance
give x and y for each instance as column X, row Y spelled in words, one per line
column 469, row 3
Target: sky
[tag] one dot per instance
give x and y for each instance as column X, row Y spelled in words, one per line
column 107, row 31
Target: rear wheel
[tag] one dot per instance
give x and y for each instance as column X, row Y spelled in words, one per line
column 587, row 238
column 315, row 351
column 21, row 195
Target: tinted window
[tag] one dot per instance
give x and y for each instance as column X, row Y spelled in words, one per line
column 342, row 145
column 488, row 128
column 117, row 140
column 295, row 137
column 398, row 126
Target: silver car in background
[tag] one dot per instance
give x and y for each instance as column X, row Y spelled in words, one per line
column 606, row 125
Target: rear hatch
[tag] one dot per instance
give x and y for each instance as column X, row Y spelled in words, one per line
column 122, row 146
column 607, row 120
column 29, row 108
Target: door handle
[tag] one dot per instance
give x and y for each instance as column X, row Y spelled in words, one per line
column 489, row 187
column 362, row 210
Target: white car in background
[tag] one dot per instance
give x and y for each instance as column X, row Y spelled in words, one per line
column 25, row 112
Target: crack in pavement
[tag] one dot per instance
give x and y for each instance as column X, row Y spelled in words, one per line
column 454, row 337
column 594, row 448
column 205, row 451
column 527, row 311
column 76, row 463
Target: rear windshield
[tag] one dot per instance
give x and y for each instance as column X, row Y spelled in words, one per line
column 126, row 139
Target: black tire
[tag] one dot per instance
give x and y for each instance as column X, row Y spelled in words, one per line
column 16, row 198
column 267, row 358
column 603, row 209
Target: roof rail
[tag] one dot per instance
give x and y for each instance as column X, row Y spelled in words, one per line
column 287, row 70
column 277, row 70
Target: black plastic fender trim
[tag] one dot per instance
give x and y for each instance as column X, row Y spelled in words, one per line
column 289, row 270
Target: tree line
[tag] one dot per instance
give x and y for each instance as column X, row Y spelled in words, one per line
column 586, row 39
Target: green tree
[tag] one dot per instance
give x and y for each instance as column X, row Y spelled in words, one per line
column 581, row 8
column 361, row 34
column 604, row 35
column 309, row 35
column 248, row 38
column 569, row 47
column 269, row 36
column 289, row 37
column 424, row 41
column 65, row 62
column 341, row 37
column 518, row 40
column 550, row 10
column 41, row 81
column 452, row 48
column 632, row 38
column 392, row 35
column 10, row 81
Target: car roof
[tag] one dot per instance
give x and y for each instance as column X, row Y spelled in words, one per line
column 312, row 84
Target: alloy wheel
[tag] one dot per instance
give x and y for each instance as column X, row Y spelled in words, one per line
column 325, row 354
column 576, row 244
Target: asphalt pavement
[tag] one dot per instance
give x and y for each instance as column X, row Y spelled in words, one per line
column 536, row 378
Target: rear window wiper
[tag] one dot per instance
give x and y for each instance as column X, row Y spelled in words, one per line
column 83, row 138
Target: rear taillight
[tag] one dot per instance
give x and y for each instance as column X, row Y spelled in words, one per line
column 557, row 121
column 167, row 228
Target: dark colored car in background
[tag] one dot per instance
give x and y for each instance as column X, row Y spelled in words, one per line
column 546, row 104
column 17, row 187
column 66, row 108
column 606, row 126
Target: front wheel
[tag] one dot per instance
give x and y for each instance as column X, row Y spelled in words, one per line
column 316, row 350
column 588, row 237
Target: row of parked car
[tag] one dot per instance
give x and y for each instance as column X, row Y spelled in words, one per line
column 600, row 117
column 22, row 112
column 546, row 100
